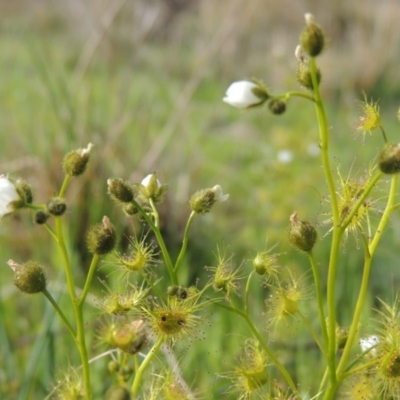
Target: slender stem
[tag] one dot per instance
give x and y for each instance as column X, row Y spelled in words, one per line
column 60, row 312
column 155, row 213
column 383, row 134
column 64, row 186
column 318, row 291
column 361, row 199
column 312, row 331
column 161, row 243
column 337, row 233
column 64, row 253
column 89, row 279
column 246, row 293
column 287, row 95
column 51, row 231
column 145, row 363
column 80, row 329
column 269, row 352
column 324, row 142
column 185, row 241
column 369, row 253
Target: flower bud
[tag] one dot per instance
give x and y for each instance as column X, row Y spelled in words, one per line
column 29, row 277
column 277, row 106
column 179, row 292
column 389, row 159
column 245, row 94
column 342, row 334
column 303, row 75
column 203, row 200
column 129, row 337
column 117, row 392
column 120, row 190
column 75, row 162
column 151, row 188
column 302, row 234
column 312, row 39
column 41, row 217
column 24, row 190
column 102, row 238
column 266, row 264
column 130, row 209
column 57, row 206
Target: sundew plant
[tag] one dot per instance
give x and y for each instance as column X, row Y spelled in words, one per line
column 147, row 320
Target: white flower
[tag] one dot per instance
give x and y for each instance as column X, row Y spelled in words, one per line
column 219, row 195
column 8, row 195
column 241, row 94
column 146, row 181
column 369, row 342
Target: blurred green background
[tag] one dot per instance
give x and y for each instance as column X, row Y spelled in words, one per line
column 143, row 81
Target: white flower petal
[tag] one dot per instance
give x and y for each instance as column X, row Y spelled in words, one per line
column 8, row 194
column 240, row 94
column 219, row 195
column 145, row 182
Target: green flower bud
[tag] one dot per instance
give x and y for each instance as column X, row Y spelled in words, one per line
column 130, row 209
column 178, row 291
column 75, row 162
column 312, row 39
column 302, row 234
column 151, row 188
column 113, row 366
column 303, row 75
column 389, row 159
column 172, row 290
column 102, row 238
column 277, row 106
column 341, row 336
column 41, row 217
column 24, row 190
column 117, row 393
column 57, row 206
column 203, row 200
column 129, row 337
column 29, row 277
column 120, row 190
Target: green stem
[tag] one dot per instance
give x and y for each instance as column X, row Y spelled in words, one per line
column 155, row 213
column 185, row 241
column 89, row 279
column 64, row 186
column 369, row 253
column 288, row 95
column 313, row 333
column 59, row 312
column 80, row 329
column 361, row 199
column 267, row 350
column 247, row 291
column 318, row 291
column 161, row 243
column 145, row 363
column 383, row 134
column 337, row 233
